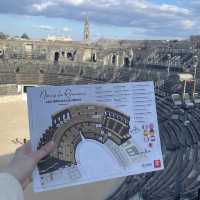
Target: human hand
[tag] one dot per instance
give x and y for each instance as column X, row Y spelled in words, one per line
column 25, row 160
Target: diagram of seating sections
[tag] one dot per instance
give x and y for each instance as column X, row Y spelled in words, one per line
column 88, row 121
column 101, row 131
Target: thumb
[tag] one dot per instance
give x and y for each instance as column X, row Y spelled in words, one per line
column 44, row 151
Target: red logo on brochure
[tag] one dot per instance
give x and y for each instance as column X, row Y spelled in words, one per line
column 157, row 164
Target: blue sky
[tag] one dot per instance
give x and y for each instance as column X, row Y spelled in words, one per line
column 41, row 27
column 119, row 19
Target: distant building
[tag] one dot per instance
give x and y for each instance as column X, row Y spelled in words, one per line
column 195, row 39
column 59, row 38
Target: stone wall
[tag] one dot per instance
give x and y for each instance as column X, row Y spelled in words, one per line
column 8, row 89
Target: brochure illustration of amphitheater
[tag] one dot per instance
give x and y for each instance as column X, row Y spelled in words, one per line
column 101, row 131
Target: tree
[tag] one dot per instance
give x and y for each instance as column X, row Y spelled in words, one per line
column 25, row 36
column 3, row 36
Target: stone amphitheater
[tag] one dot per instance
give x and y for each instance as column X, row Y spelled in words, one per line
column 25, row 63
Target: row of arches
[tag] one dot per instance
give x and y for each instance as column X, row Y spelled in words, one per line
column 113, row 59
column 69, row 55
column 117, row 60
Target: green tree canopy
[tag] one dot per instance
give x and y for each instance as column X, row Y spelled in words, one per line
column 25, row 36
column 3, row 35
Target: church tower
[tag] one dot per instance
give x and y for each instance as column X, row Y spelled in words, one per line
column 86, row 38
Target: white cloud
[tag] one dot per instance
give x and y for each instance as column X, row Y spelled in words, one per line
column 45, row 27
column 187, row 24
column 143, row 6
column 174, row 9
column 52, row 29
column 43, row 6
column 66, row 29
column 74, row 2
column 152, row 8
column 137, row 4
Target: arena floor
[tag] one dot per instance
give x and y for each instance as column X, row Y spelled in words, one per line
column 14, row 124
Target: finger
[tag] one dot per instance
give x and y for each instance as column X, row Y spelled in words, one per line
column 20, row 148
column 25, row 148
column 44, row 151
column 26, row 182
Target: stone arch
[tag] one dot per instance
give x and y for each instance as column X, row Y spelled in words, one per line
column 114, row 59
column 70, row 56
column 94, row 57
column 1, row 53
column 17, row 70
column 126, row 61
column 56, row 57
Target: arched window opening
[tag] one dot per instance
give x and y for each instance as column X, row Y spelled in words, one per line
column 1, row 52
column 126, row 61
column 94, row 57
column 70, row 56
column 56, row 57
column 114, row 59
